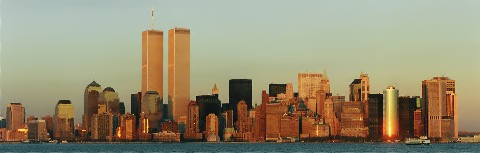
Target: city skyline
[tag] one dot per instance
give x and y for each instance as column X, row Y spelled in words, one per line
column 115, row 71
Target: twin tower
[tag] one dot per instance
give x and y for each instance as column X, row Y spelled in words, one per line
column 178, row 68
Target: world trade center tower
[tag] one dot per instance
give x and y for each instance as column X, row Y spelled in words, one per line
column 152, row 61
column 178, row 72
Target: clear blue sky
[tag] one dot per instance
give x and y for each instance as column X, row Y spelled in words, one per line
column 51, row 49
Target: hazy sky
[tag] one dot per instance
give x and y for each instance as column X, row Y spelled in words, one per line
column 51, row 49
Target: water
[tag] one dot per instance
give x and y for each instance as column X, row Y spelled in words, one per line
column 239, row 147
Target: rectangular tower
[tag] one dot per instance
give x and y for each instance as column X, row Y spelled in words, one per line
column 239, row 89
column 15, row 116
column 152, row 61
column 178, row 71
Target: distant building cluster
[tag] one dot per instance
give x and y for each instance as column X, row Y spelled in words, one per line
column 313, row 113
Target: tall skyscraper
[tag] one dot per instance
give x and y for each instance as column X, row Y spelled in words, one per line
column 135, row 106
column 208, row 104
column 15, row 116
column 360, row 88
column 239, row 89
column 375, row 116
column 90, row 104
column 390, row 108
column 310, row 83
column 439, row 109
column 63, row 121
column 178, row 71
column 406, row 108
column 110, row 98
column 152, row 61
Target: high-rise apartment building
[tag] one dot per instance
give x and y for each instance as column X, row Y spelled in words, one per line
column 310, row 83
column 63, row 121
column 178, row 71
column 239, row 89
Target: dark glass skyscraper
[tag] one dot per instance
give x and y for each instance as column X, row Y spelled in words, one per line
column 135, row 106
column 122, row 107
column 406, row 108
column 240, row 89
column 275, row 89
column 208, row 104
column 375, row 116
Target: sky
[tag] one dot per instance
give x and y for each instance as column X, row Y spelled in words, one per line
column 52, row 49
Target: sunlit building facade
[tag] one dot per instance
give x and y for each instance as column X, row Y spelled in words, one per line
column 152, row 61
column 63, row 121
column 178, row 72
column 390, row 115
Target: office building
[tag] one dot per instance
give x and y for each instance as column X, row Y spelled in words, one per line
column 351, row 120
column 360, row 88
column 439, row 103
column 102, row 127
column 375, row 116
column 178, row 71
column 193, row 129
column 110, row 98
column 15, row 116
column 63, row 121
column 136, row 106
column 211, row 132
column 406, row 109
column 37, row 130
column 310, row 83
column 390, row 117
column 122, row 108
column 90, row 104
column 127, row 127
column 275, row 89
column 152, row 61
column 208, row 104
column 240, row 89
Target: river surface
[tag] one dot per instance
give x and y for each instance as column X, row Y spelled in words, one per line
column 239, row 147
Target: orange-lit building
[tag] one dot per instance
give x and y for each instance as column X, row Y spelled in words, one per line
column 127, row 131
column 178, row 71
column 211, row 130
column 290, row 127
column 351, row 122
column 193, row 129
column 152, row 61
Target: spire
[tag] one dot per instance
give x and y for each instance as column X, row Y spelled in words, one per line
column 153, row 9
column 215, row 89
column 325, row 73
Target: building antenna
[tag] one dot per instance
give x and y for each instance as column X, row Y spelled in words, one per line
column 153, row 9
